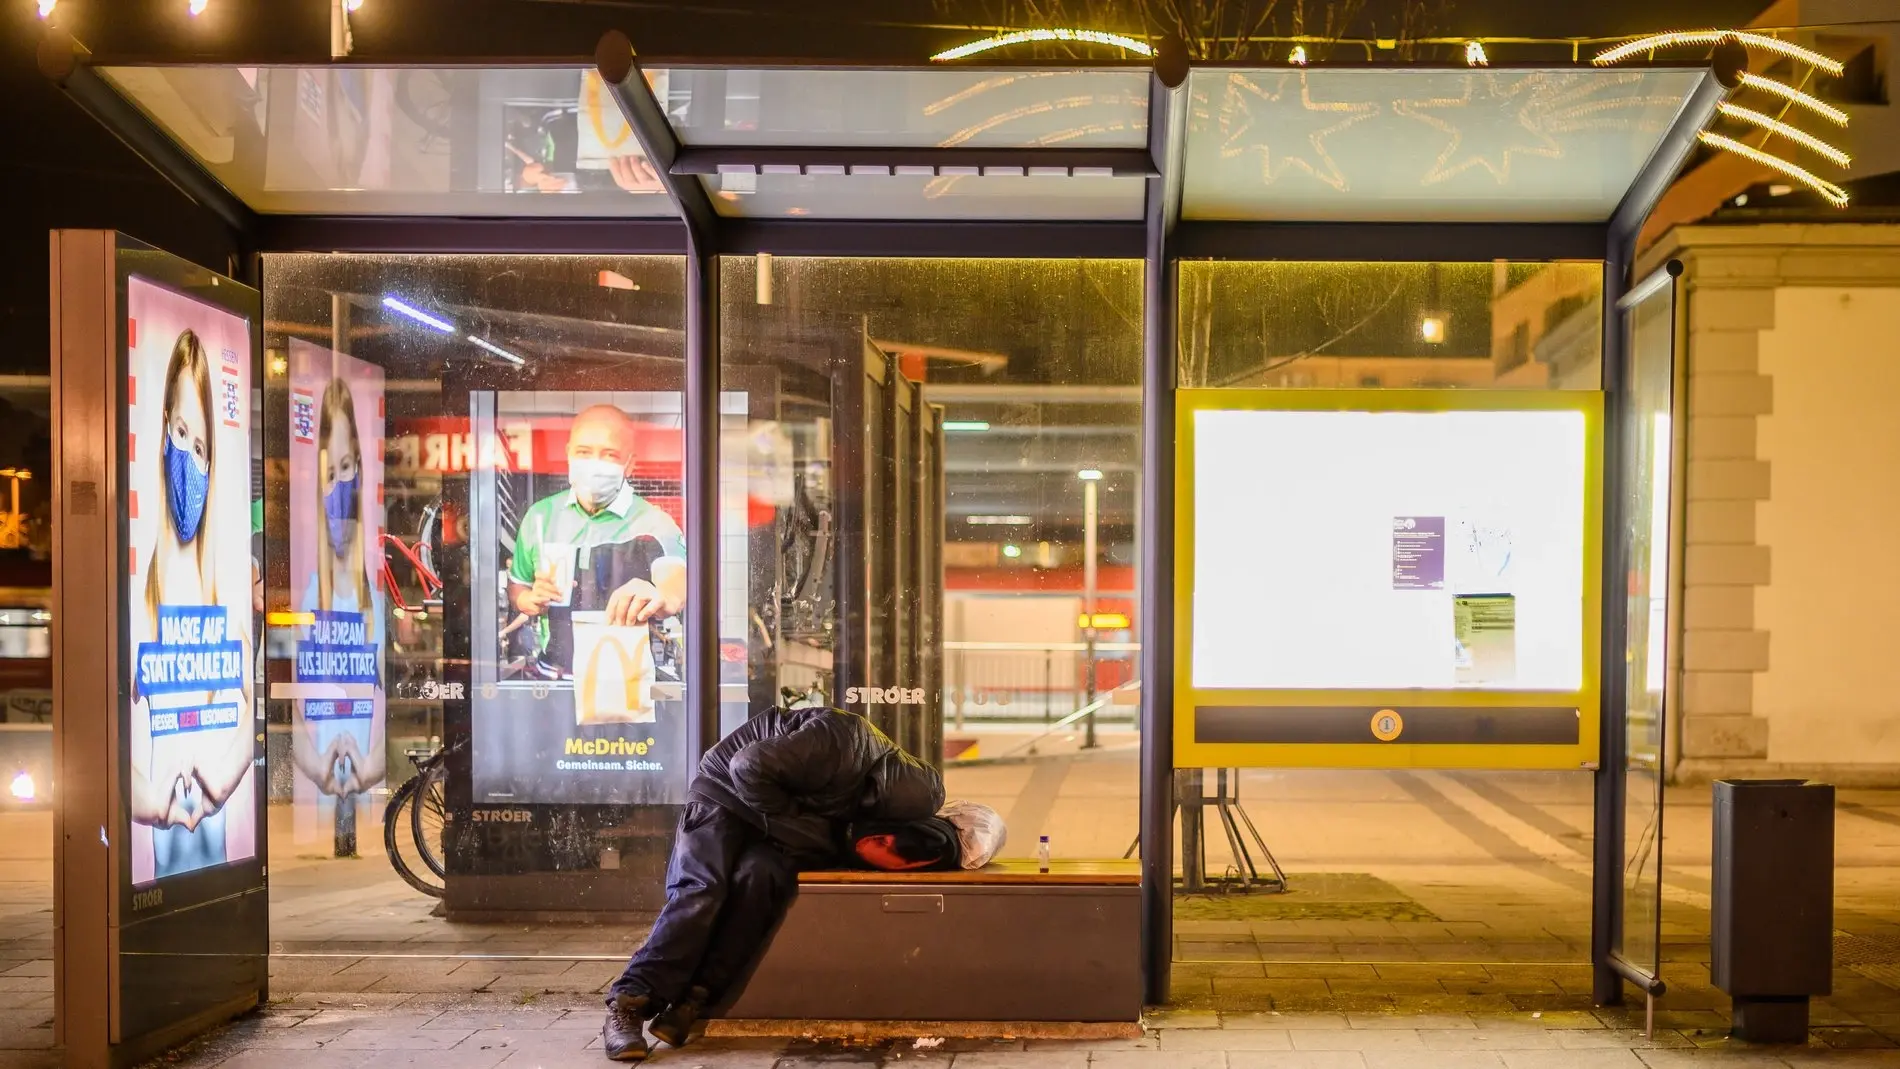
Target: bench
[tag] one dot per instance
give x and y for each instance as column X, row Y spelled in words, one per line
column 1003, row 943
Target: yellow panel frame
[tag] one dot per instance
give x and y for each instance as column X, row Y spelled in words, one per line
column 1189, row 753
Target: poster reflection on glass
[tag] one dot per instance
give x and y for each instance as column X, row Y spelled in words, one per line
column 193, row 803
column 336, row 522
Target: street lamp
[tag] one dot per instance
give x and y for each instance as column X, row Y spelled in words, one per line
column 1090, row 477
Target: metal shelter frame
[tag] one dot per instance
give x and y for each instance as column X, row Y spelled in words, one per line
column 449, row 33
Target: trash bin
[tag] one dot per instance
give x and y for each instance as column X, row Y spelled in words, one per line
column 1771, row 926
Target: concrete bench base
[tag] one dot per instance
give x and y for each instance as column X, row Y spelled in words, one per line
column 1002, row 944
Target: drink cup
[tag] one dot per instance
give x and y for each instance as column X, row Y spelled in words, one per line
column 557, row 564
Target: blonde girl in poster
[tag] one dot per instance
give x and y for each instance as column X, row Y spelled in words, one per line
column 341, row 752
column 187, row 762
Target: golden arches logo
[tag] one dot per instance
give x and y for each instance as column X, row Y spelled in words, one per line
column 628, row 703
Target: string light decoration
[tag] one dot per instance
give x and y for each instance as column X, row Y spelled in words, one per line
column 1006, row 40
column 1790, row 96
column 1796, row 97
column 1657, row 42
column 1829, row 192
column 1794, row 134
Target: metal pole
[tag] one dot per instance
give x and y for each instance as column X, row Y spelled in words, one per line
column 702, row 492
column 1088, row 601
column 1606, row 890
column 1167, row 105
column 621, row 74
column 963, row 682
column 1048, row 684
column 1193, row 850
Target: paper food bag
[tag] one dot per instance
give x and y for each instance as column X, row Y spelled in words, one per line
column 613, row 672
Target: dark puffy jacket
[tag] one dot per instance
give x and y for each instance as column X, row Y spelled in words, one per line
column 800, row 775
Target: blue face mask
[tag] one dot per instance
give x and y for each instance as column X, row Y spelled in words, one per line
column 187, row 486
column 339, row 509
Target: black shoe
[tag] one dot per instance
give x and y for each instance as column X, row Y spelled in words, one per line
column 671, row 1027
column 621, row 1035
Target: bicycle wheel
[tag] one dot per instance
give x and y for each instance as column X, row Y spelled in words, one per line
column 428, row 819
column 400, row 842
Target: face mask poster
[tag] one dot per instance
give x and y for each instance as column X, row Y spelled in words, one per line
column 188, row 584
column 336, row 523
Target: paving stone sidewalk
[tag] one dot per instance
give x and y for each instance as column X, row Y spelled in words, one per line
column 485, row 1032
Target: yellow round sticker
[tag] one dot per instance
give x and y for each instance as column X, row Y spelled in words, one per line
column 1386, row 724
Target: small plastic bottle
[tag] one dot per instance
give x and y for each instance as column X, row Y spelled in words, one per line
column 1042, row 854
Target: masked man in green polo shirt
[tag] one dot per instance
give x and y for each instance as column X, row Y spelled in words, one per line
column 598, row 509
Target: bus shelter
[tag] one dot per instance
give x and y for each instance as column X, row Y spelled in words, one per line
column 1330, row 573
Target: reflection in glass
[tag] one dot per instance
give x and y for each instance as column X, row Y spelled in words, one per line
column 910, row 109
column 870, row 196
column 920, row 438
column 1650, row 327
column 1403, row 145
column 475, row 565
column 424, row 141
column 1391, row 325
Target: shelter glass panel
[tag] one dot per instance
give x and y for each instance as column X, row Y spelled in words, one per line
column 943, row 462
column 1375, row 145
column 341, row 140
column 909, row 109
column 1649, row 464
column 1473, row 870
column 472, row 523
column 1392, row 325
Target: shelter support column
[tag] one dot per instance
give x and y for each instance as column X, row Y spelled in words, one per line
column 1606, row 890
column 620, row 71
column 1166, row 138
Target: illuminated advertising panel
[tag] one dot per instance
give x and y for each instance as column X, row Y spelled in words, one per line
column 576, row 515
column 185, row 834
column 1388, row 578
column 189, row 615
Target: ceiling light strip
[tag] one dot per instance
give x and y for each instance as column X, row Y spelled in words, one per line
column 1832, row 193
column 1776, row 45
column 1782, row 129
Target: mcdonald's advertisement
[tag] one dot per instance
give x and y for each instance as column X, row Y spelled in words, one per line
column 581, row 700
column 192, row 792
column 336, row 423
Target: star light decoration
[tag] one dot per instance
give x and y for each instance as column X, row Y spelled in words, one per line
column 1257, row 117
column 1518, row 103
column 1768, row 126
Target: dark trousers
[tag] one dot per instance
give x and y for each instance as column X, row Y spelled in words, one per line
column 726, row 886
